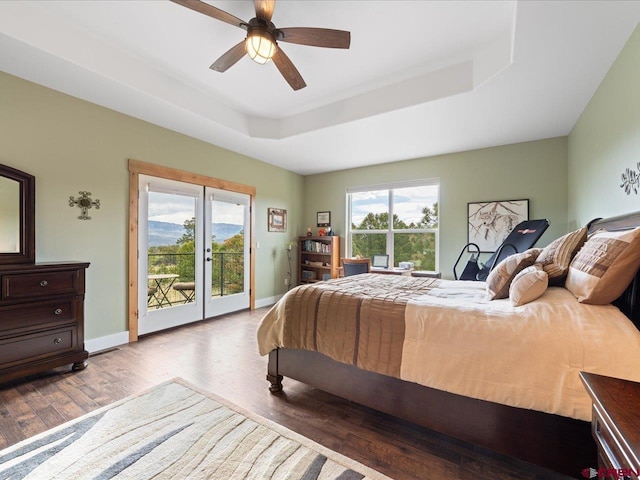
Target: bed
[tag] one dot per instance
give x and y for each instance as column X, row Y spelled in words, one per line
column 416, row 348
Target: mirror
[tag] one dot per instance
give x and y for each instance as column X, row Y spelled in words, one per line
column 17, row 216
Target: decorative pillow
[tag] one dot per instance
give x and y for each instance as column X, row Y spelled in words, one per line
column 528, row 285
column 500, row 277
column 604, row 266
column 556, row 257
column 536, row 251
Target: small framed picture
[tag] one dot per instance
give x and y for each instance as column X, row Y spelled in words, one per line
column 277, row 220
column 324, row 219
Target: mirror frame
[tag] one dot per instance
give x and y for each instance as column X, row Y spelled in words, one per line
column 27, row 253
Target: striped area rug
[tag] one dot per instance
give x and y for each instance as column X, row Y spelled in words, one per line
column 175, row 431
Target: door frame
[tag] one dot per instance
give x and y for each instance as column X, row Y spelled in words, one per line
column 137, row 168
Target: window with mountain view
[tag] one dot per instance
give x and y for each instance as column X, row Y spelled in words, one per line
column 411, row 236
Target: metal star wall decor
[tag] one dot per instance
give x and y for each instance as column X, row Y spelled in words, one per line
column 84, row 203
column 631, row 180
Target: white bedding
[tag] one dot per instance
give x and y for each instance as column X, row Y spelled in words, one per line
column 529, row 356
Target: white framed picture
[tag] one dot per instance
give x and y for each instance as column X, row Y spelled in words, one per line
column 491, row 222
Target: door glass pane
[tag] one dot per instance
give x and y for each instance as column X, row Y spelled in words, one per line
column 419, row 248
column 370, row 210
column 171, row 249
column 227, row 248
column 415, row 207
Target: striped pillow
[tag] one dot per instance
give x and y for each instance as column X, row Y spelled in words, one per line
column 605, row 266
column 556, row 257
column 499, row 279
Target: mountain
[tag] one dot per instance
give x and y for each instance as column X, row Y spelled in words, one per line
column 222, row 231
column 164, row 233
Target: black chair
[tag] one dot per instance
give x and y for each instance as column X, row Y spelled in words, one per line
column 355, row 266
column 522, row 237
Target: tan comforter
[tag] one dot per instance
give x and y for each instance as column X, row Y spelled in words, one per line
column 447, row 335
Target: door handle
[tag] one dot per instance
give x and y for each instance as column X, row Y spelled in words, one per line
column 208, row 259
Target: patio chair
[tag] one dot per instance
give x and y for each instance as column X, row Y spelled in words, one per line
column 151, row 295
column 522, row 237
column 186, row 289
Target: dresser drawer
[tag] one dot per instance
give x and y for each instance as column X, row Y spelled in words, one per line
column 37, row 345
column 24, row 316
column 29, row 285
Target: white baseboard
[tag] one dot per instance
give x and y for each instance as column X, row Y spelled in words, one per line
column 110, row 341
column 268, row 301
column 105, row 343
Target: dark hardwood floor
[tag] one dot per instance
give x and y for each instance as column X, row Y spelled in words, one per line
column 220, row 355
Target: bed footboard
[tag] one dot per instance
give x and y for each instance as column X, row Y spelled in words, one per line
column 558, row 443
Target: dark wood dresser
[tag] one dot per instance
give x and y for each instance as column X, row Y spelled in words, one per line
column 41, row 318
column 615, row 425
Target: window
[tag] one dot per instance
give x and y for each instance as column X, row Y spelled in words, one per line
column 411, row 236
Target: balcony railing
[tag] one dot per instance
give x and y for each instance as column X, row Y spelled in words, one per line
column 227, row 275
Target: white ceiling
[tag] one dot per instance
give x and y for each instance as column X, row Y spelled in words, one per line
column 421, row 77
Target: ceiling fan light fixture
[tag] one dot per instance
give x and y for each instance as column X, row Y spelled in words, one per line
column 260, row 46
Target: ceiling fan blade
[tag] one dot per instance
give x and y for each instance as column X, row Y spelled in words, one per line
column 212, row 11
column 264, row 8
column 316, row 37
column 288, row 70
column 229, row 58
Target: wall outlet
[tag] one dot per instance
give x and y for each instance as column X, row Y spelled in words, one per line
column 286, row 281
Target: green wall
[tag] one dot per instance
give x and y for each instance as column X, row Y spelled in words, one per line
column 606, row 141
column 534, row 170
column 71, row 145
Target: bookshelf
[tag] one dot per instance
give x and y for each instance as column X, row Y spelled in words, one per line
column 318, row 257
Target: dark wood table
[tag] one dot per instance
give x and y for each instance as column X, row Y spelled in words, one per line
column 615, row 426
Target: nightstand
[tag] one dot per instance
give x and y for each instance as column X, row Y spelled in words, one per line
column 615, row 425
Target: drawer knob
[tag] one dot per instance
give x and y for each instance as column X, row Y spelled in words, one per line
column 57, row 311
column 44, row 283
column 57, row 340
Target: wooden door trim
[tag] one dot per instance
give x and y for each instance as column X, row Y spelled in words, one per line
column 137, row 168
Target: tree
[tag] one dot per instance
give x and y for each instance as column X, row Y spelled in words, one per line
column 373, row 221
column 228, row 263
column 418, row 248
column 367, row 244
column 189, row 234
column 430, row 217
column 186, row 248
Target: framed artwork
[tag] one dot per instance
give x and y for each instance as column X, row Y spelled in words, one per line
column 491, row 222
column 277, row 220
column 324, row 219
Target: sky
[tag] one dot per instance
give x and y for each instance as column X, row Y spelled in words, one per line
column 408, row 203
column 173, row 208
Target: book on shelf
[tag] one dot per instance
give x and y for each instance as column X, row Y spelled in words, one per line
column 316, row 247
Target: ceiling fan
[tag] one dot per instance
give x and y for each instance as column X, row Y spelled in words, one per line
column 261, row 43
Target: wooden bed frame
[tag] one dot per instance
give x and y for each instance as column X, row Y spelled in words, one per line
column 558, row 443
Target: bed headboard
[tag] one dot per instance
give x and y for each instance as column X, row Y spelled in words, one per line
column 629, row 301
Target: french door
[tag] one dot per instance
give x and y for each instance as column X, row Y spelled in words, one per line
column 193, row 260
column 226, row 268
